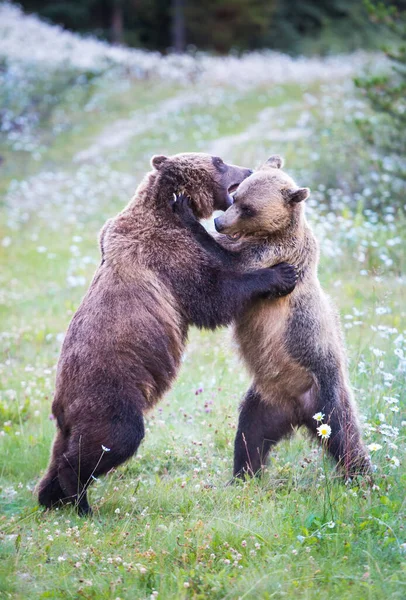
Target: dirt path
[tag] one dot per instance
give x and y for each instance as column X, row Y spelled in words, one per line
column 262, row 130
column 121, row 131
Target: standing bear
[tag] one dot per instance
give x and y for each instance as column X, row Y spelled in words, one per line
column 124, row 345
column 292, row 346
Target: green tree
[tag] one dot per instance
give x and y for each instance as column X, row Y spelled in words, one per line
column 222, row 25
column 293, row 26
column 385, row 129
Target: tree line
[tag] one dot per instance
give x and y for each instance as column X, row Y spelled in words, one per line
column 217, row 25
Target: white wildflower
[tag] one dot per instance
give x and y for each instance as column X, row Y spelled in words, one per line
column 318, row 417
column 324, row 431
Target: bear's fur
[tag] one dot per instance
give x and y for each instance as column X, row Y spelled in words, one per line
column 292, row 346
column 124, row 345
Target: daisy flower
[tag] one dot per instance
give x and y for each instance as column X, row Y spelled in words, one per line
column 374, row 447
column 324, row 431
column 318, row 417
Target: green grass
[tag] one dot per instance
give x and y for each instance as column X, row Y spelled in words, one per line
column 166, row 523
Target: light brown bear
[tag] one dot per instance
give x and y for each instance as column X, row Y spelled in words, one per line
column 292, row 346
column 124, row 345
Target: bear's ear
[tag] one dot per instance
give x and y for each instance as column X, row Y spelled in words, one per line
column 157, row 161
column 298, row 195
column 275, row 161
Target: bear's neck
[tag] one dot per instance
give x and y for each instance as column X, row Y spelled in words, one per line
column 295, row 245
column 298, row 246
column 153, row 197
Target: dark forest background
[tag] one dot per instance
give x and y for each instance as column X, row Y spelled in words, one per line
column 293, row 26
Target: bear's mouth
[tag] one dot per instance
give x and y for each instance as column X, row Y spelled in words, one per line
column 234, row 236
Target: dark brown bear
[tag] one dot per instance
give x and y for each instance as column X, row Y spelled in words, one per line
column 123, row 347
column 292, row 346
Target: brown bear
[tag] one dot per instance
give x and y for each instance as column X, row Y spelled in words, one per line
column 124, row 345
column 292, row 346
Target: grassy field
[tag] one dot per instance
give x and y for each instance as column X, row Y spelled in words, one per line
column 165, row 524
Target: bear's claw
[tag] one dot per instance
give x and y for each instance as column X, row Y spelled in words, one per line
column 181, row 206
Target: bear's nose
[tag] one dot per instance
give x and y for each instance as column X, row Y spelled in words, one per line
column 219, row 227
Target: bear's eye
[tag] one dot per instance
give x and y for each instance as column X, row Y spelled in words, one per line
column 247, row 211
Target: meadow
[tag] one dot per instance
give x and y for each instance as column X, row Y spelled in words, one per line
column 76, row 138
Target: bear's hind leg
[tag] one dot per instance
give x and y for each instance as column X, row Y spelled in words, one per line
column 50, row 493
column 344, row 443
column 261, row 425
column 89, row 457
column 73, row 473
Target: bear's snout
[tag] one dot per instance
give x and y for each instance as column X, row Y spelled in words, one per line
column 218, row 225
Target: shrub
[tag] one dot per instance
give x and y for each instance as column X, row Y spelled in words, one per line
column 384, row 129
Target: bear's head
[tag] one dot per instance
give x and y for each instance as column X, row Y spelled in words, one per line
column 266, row 203
column 205, row 178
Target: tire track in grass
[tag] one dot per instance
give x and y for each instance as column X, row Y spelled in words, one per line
column 122, row 131
column 224, row 146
